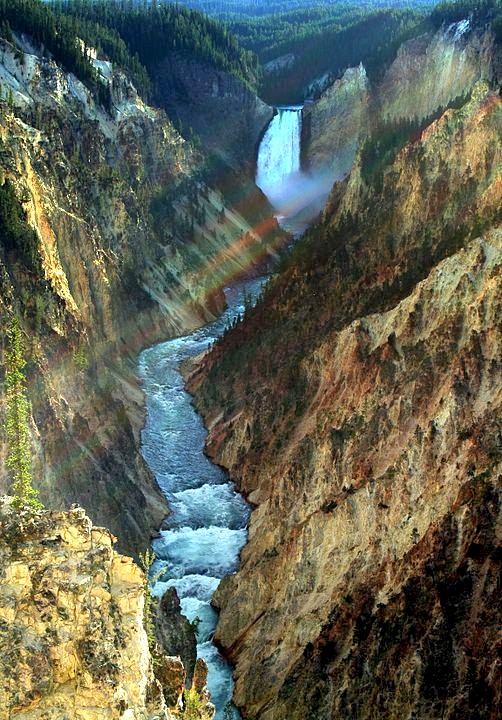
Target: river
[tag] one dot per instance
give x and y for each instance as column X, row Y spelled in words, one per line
column 207, row 527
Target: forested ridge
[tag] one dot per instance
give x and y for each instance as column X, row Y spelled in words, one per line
column 55, row 34
column 322, row 39
column 316, row 41
column 372, row 39
column 133, row 37
column 153, row 31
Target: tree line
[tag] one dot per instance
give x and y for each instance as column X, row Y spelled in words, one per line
column 134, row 37
column 152, row 31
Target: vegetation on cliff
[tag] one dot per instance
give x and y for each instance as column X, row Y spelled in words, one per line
column 451, row 11
column 95, row 267
column 155, row 31
column 17, row 421
column 306, row 40
column 390, row 136
column 56, row 35
column 16, row 234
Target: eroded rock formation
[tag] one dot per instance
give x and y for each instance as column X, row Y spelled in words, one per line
column 358, row 408
column 132, row 246
column 428, row 73
column 72, row 631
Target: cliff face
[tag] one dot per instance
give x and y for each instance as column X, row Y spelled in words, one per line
column 227, row 116
column 428, row 73
column 132, row 246
column 73, row 643
column 357, row 406
column 332, row 125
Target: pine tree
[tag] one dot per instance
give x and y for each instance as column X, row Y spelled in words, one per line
column 17, row 422
column 146, row 560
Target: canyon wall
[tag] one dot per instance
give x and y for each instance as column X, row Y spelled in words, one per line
column 227, row 116
column 428, row 72
column 357, row 408
column 132, row 246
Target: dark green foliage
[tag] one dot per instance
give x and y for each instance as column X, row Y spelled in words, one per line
column 372, row 40
column 17, row 419
column 153, row 32
column 497, row 27
column 15, row 233
column 324, row 37
column 109, row 44
column 480, row 11
column 388, row 138
column 146, row 560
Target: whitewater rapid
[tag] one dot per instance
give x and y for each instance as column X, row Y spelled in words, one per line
column 207, row 526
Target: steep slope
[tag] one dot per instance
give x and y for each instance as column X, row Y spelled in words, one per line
column 228, row 117
column 357, row 407
column 428, row 73
column 72, row 634
column 131, row 246
column 198, row 72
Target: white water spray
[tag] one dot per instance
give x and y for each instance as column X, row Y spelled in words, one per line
column 297, row 196
column 279, row 155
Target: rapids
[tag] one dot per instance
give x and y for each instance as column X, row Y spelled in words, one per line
column 207, row 528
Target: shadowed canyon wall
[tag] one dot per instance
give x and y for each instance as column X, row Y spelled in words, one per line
column 227, row 116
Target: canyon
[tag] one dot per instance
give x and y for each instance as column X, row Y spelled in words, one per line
column 347, row 384
column 135, row 247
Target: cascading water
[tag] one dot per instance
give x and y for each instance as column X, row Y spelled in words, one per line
column 279, row 155
column 297, row 196
column 207, row 525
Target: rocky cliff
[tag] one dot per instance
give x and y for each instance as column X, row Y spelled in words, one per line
column 131, row 246
column 357, row 407
column 227, row 116
column 428, row 73
column 72, row 630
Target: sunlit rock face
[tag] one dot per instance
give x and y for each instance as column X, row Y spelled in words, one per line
column 369, row 444
column 333, row 124
column 73, row 643
column 132, row 247
column 428, row 72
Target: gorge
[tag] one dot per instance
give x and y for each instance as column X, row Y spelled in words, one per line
column 256, row 346
column 207, row 525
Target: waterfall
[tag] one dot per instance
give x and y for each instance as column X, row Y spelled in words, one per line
column 297, row 196
column 279, row 154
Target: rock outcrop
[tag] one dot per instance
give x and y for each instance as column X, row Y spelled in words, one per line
column 332, row 126
column 428, row 73
column 73, row 643
column 132, row 246
column 357, row 407
column 174, row 632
